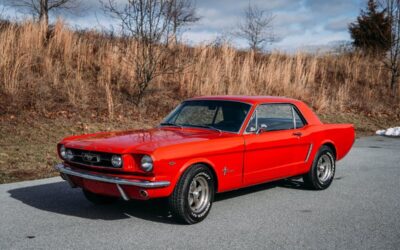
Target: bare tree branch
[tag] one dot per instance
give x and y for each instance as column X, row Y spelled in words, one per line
column 145, row 27
column 42, row 8
column 182, row 13
column 256, row 27
column 392, row 61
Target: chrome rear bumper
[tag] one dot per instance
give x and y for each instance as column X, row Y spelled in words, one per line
column 109, row 179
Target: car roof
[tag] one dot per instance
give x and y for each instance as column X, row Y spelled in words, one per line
column 307, row 113
column 247, row 99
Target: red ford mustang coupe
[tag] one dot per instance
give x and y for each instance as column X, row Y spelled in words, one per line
column 206, row 145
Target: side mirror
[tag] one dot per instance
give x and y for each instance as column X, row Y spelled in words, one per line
column 262, row 129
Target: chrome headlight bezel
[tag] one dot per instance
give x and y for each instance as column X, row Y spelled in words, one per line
column 116, row 161
column 69, row 155
column 147, row 163
column 63, row 152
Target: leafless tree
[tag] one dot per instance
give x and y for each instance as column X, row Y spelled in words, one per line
column 256, row 27
column 42, row 8
column 145, row 25
column 222, row 39
column 3, row 21
column 182, row 13
column 392, row 61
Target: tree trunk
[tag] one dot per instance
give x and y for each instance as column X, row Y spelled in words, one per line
column 394, row 82
column 174, row 38
column 44, row 13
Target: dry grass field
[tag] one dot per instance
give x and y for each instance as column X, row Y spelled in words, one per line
column 78, row 82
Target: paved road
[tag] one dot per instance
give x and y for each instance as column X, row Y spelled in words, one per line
column 361, row 210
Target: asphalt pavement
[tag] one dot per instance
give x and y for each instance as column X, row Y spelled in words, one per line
column 361, row 210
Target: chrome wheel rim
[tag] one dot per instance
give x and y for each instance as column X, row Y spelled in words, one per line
column 199, row 194
column 324, row 168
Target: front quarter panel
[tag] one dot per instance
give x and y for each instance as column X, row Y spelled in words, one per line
column 224, row 156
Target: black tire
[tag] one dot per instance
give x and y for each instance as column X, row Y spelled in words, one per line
column 313, row 179
column 179, row 202
column 98, row 199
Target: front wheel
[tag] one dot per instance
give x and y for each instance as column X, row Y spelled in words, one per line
column 193, row 195
column 322, row 170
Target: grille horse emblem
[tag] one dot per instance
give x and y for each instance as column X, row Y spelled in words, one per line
column 90, row 157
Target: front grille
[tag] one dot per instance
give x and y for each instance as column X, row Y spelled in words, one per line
column 91, row 158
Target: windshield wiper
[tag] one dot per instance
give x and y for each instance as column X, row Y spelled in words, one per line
column 189, row 125
column 170, row 124
column 204, row 126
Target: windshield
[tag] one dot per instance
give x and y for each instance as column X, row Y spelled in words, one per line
column 211, row 114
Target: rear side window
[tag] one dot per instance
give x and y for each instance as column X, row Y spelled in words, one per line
column 274, row 117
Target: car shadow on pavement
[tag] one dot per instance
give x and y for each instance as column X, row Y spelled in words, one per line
column 60, row 198
column 287, row 183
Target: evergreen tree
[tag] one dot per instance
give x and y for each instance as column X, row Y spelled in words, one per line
column 372, row 30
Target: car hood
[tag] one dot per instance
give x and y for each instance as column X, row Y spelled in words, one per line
column 139, row 140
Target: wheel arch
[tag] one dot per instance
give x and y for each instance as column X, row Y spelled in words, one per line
column 331, row 146
column 203, row 162
column 212, row 170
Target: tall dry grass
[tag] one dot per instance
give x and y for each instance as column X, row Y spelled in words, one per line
column 88, row 72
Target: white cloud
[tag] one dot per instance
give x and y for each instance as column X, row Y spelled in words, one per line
column 199, row 37
column 339, row 24
column 310, row 39
column 297, row 22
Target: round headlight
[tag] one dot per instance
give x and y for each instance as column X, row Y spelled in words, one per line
column 69, row 155
column 147, row 163
column 63, row 152
column 116, row 161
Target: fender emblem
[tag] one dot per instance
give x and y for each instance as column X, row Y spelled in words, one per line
column 226, row 170
column 171, row 163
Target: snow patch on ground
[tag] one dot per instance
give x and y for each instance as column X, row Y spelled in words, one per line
column 389, row 132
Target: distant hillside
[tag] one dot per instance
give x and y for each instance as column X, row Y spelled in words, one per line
column 87, row 73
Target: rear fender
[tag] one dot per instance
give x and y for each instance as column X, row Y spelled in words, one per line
column 328, row 141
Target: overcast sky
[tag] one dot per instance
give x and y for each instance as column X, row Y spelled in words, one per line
column 297, row 23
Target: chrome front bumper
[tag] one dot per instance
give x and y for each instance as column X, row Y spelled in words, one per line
column 65, row 171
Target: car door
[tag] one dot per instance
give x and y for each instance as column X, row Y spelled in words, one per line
column 276, row 143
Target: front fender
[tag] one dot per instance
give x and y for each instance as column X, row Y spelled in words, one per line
column 190, row 163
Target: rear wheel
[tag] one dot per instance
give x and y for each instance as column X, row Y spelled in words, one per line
column 98, row 199
column 193, row 195
column 322, row 171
